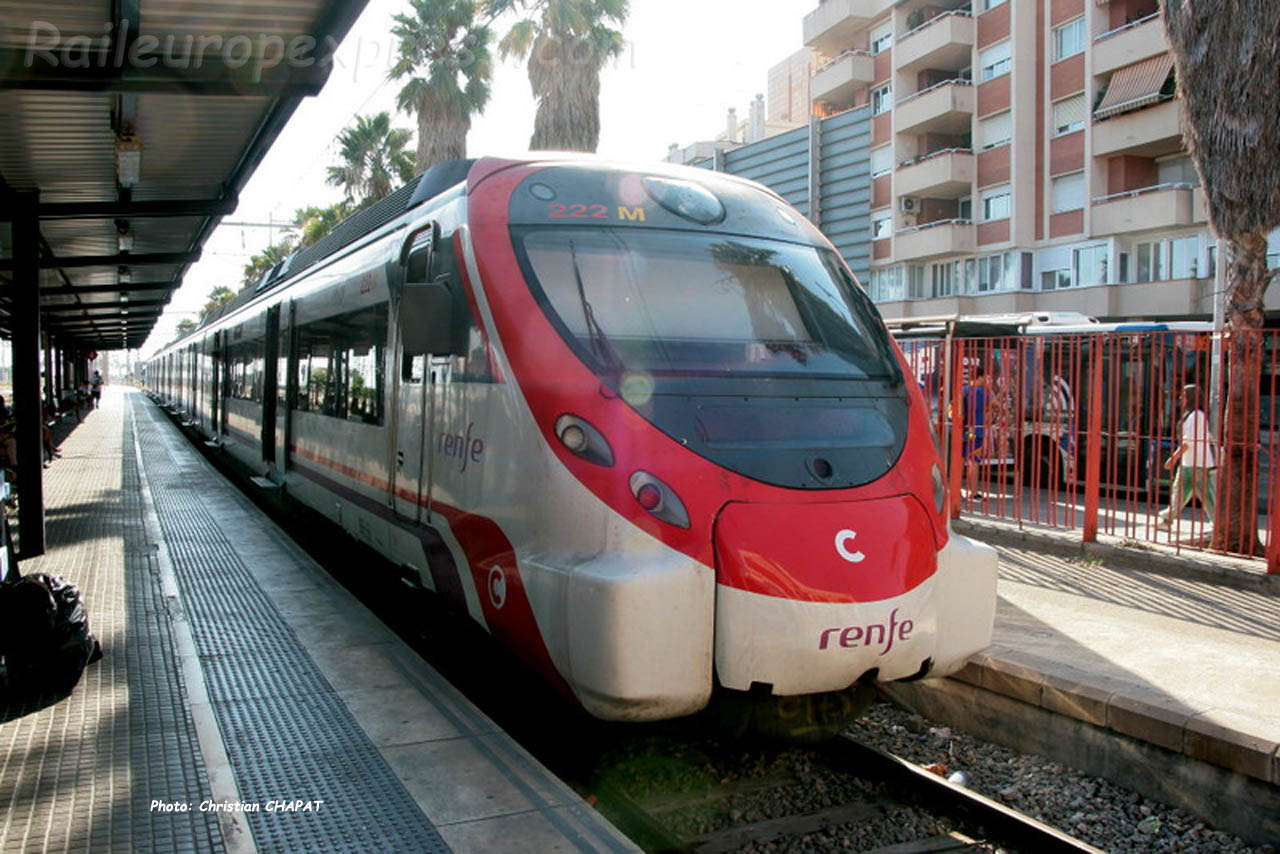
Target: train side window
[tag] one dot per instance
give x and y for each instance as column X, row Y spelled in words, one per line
column 412, row 368
column 245, row 367
column 341, row 366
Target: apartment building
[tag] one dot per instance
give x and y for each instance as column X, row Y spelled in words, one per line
column 1025, row 154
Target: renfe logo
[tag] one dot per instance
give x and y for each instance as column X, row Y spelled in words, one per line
column 851, row 636
column 462, row 447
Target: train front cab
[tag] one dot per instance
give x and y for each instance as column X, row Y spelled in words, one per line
column 705, row 368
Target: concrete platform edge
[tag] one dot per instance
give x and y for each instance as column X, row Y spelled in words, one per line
column 1212, row 568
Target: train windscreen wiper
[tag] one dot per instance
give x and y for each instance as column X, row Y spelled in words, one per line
column 600, row 343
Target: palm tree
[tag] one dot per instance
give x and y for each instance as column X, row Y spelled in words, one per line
column 264, row 261
column 1225, row 55
column 444, row 53
column 374, row 160
column 313, row 223
column 218, row 297
column 566, row 43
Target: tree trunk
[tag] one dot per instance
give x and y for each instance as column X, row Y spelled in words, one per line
column 1235, row 517
column 565, row 75
column 442, row 134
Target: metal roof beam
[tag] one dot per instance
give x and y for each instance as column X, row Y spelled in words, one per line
column 123, row 288
column 111, row 210
column 94, row 328
column 116, row 307
column 41, row 65
column 122, row 259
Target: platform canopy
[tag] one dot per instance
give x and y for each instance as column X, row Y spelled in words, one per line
column 137, row 123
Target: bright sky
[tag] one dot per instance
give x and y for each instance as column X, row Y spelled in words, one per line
column 687, row 62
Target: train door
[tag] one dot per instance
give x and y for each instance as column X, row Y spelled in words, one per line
column 224, row 351
column 287, row 398
column 270, row 382
column 193, row 383
column 215, row 385
column 414, row 399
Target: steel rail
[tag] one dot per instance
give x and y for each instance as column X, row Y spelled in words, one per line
column 1009, row 826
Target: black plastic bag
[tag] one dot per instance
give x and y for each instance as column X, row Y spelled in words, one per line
column 45, row 641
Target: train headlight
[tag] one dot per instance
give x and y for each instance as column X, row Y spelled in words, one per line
column 659, row 499
column 583, row 440
column 939, row 488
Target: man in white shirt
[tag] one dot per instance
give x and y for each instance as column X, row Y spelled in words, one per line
column 1196, row 469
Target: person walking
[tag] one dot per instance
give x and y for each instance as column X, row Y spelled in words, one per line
column 1196, row 469
column 96, row 385
column 974, row 400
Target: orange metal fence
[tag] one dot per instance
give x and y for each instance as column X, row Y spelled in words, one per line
column 1078, row 431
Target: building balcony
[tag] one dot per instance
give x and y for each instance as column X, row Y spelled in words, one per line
column 830, row 29
column 946, row 107
column 942, row 42
column 1149, row 132
column 1159, row 207
column 838, row 80
column 934, row 239
column 1131, row 43
column 943, row 175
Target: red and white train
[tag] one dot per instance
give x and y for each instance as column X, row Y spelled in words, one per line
column 640, row 423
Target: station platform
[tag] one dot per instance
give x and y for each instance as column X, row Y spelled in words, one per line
column 1111, row 656
column 245, row 701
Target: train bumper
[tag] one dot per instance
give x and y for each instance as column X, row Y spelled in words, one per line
column 635, row 638
column 905, row 607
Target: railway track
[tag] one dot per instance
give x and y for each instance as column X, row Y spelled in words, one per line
column 964, row 820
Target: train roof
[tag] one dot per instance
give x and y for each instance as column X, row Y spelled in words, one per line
column 986, row 325
column 1031, row 323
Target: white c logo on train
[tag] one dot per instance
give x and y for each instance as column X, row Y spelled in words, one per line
column 842, row 539
column 497, row 587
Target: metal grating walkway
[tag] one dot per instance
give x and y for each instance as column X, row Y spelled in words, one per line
column 287, row 733
column 79, row 773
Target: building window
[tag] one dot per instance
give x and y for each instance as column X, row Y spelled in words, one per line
column 1150, row 262
column 1067, row 193
column 882, row 38
column 997, row 273
column 996, row 130
column 991, row 4
column 1177, row 170
column 1055, row 280
column 943, row 280
column 997, row 203
column 886, row 284
column 995, row 61
column 1068, row 115
column 882, row 99
column 881, row 226
column 1183, row 257
column 881, row 161
column 916, row 282
column 1068, row 39
column 1089, row 265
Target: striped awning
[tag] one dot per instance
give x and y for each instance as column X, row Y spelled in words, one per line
column 1135, row 86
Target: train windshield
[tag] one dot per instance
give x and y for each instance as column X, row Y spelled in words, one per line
column 670, row 302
